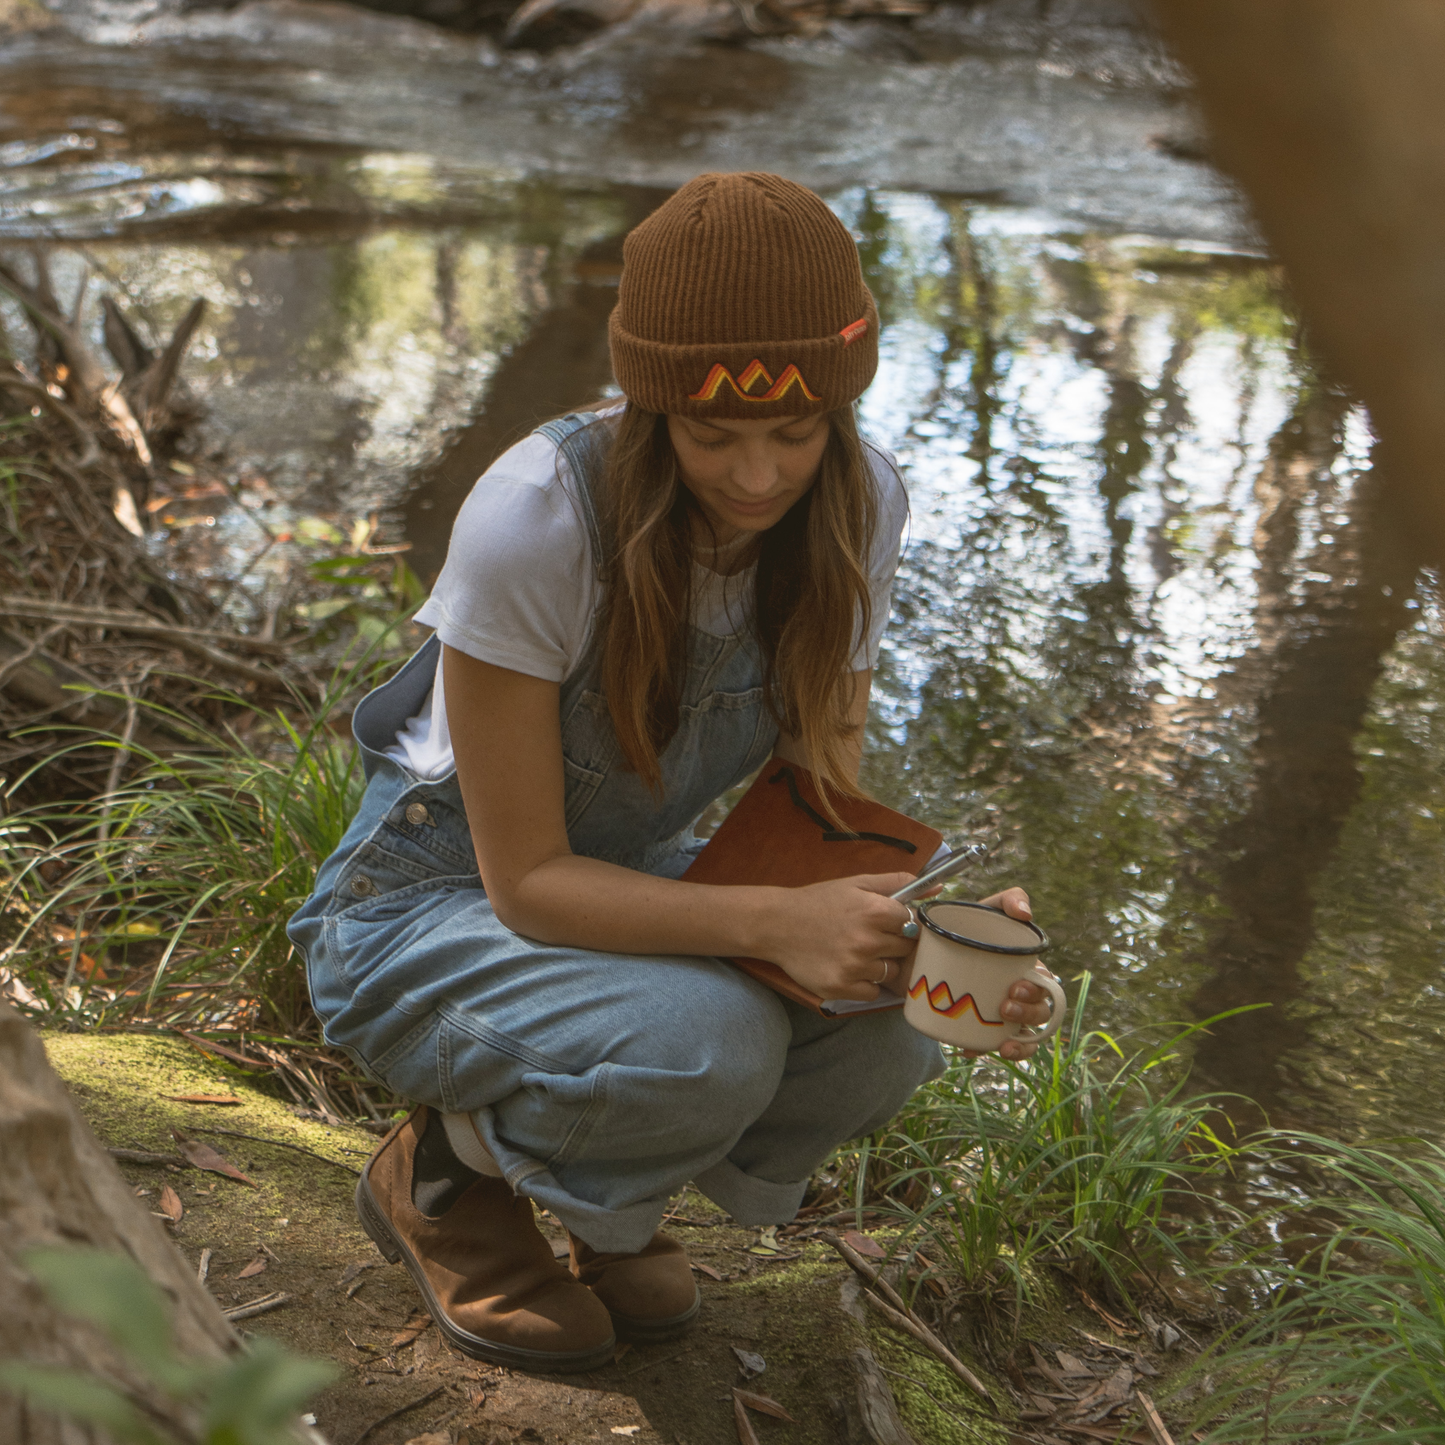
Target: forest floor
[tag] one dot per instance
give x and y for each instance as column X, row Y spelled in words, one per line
column 294, row 1231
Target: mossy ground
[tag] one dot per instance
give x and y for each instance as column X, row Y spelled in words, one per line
column 301, row 1210
column 300, row 1219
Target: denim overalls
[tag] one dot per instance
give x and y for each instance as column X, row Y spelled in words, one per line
column 601, row 1082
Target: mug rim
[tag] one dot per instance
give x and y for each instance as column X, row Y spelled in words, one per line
column 1022, row 950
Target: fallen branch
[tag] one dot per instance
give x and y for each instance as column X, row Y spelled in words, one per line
column 277, row 1143
column 898, row 1313
column 1157, row 1427
column 262, row 1306
column 401, row 1410
column 144, row 1156
column 189, row 639
column 91, row 454
column 86, row 372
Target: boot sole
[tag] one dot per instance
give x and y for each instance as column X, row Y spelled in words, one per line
column 512, row 1357
column 645, row 1332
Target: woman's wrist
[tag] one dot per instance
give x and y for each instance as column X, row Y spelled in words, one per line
column 758, row 917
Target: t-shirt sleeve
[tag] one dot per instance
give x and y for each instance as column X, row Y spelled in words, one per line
column 517, row 586
column 887, row 548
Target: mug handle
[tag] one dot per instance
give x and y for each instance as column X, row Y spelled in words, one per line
column 1055, row 989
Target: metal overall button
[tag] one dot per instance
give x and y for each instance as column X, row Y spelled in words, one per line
column 363, row 887
column 416, row 814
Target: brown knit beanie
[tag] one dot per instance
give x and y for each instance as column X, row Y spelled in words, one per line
column 742, row 297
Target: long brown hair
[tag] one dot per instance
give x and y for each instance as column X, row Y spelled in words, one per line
column 811, row 603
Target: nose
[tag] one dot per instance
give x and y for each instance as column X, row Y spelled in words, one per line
column 755, row 473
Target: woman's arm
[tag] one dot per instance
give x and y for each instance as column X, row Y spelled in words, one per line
column 1026, row 1001
column 506, row 734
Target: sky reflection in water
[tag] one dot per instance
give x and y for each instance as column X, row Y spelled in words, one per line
column 1155, row 627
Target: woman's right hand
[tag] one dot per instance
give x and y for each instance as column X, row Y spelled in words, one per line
column 836, row 938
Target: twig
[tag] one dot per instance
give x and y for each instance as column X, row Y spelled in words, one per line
column 15, row 663
column 188, row 639
column 654, row 1364
column 401, row 1410
column 144, row 1156
column 1157, row 1428
column 122, row 753
column 930, row 1341
column 972, row 1409
column 899, row 1313
column 262, row 1306
column 203, row 1269
column 91, row 454
column 279, row 1144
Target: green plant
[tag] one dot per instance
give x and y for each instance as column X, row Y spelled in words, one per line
column 250, row 1399
column 1083, row 1155
column 1347, row 1340
column 174, row 890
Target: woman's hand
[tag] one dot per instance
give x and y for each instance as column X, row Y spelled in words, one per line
column 842, row 939
column 1026, row 1003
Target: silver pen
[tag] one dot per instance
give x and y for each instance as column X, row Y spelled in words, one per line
column 955, row 863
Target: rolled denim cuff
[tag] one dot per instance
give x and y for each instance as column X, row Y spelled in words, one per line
column 747, row 1198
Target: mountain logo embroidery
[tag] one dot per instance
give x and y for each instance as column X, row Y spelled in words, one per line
column 752, row 374
column 941, row 1001
column 854, row 330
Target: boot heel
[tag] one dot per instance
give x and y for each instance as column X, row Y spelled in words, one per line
column 372, row 1223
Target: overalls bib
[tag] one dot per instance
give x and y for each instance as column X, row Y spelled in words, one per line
column 601, row 1082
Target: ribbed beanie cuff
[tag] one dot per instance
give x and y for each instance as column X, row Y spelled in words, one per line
column 742, row 297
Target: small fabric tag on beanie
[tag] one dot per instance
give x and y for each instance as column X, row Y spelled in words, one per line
column 854, row 330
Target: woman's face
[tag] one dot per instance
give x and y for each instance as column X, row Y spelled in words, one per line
column 745, row 474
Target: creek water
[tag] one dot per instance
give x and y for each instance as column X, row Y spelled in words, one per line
column 1159, row 630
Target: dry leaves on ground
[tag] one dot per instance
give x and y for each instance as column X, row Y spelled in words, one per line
column 1097, row 1397
column 763, row 1404
column 171, row 1205
column 202, row 1156
column 225, row 1099
column 409, row 1332
column 254, row 1268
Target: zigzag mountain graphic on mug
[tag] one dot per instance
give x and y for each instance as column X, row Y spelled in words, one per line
column 941, row 1001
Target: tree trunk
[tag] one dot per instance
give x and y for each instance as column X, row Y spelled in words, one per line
column 1331, row 114
column 58, row 1187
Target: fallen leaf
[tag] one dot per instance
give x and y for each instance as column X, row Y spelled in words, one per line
column 766, row 1242
column 433, row 1437
column 171, row 1205
column 751, row 1364
column 1114, row 1323
column 746, row 1434
column 1072, row 1364
column 868, row 1248
column 708, row 1270
column 628, row 1430
column 202, row 1098
column 1106, row 1396
column 413, row 1329
column 202, row 1156
column 252, row 1269
column 352, row 1270
column 763, row 1404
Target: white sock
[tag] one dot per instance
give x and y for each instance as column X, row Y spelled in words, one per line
column 467, row 1145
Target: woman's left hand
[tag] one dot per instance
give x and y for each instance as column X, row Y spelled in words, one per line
column 1026, row 1003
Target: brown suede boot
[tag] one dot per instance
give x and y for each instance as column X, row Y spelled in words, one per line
column 650, row 1295
column 483, row 1267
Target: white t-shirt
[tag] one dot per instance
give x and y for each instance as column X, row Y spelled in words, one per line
column 519, row 588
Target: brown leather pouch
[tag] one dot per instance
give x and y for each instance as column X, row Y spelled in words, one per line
column 778, row 835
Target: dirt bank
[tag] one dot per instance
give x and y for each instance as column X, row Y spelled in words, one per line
column 347, row 1304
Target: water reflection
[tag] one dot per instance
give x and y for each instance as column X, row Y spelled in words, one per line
column 1159, row 626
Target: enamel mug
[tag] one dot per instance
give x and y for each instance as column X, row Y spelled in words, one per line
column 968, row 956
